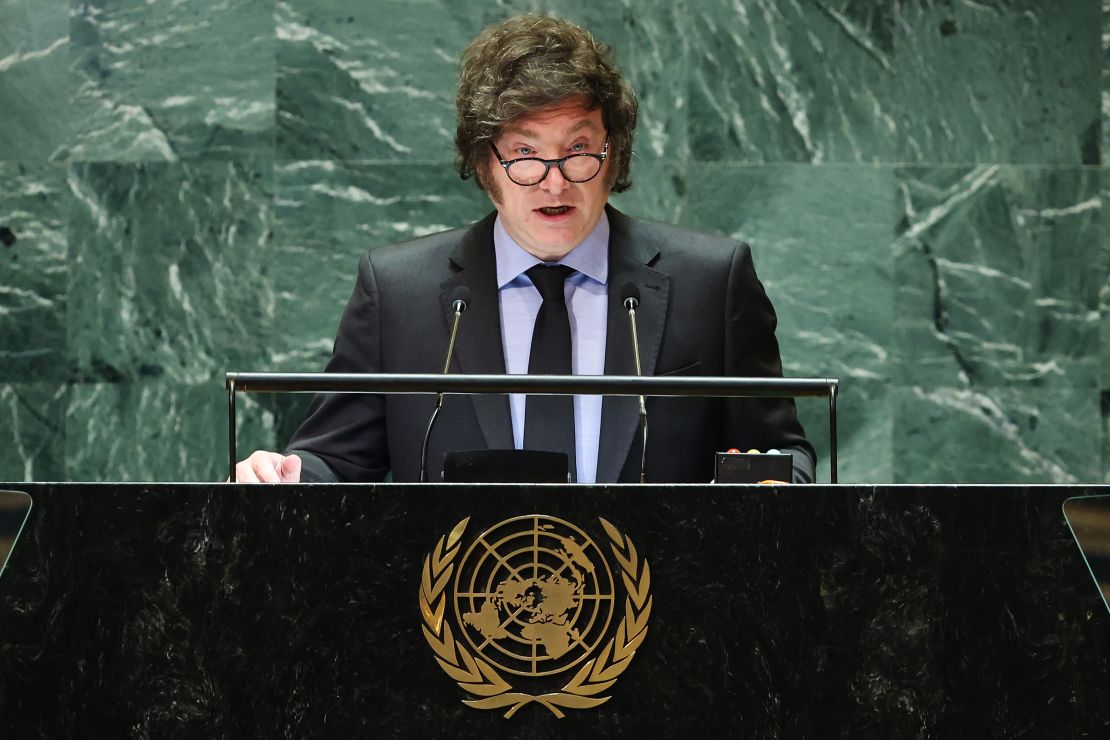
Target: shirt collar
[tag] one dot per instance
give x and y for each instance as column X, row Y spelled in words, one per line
column 591, row 257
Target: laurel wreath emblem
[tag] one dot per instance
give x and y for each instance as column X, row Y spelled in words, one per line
column 478, row 678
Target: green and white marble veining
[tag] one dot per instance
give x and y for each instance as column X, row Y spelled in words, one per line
column 1105, row 82
column 659, row 192
column 158, row 430
column 998, row 81
column 365, row 80
column 1104, row 407
column 35, row 84
column 33, row 272
column 806, row 253
column 999, row 270
column 1104, row 303
column 1104, row 293
column 922, row 81
column 864, row 431
column 186, row 187
column 377, row 80
column 33, row 430
column 173, row 79
column 996, row 434
column 171, row 270
column 329, row 214
column 793, row 81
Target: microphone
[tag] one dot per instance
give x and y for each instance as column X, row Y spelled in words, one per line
column 631, row 301
column 460, row 300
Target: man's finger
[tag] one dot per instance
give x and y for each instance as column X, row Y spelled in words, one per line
column 243, row 472
column 291, row 469
column 263, row 466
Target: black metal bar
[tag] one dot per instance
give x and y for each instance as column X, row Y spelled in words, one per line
column 832, row 433
column 231, row 427
column 611, row 385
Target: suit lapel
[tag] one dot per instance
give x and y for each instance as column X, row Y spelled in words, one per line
column 478, row 349
column 630, row 261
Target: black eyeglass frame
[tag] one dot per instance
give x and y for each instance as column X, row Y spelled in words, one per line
column 549, row 163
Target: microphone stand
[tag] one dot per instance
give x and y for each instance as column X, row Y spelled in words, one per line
column 631, row 303
column 459, row 305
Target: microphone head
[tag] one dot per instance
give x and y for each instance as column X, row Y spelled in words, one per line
column 630, row 295
column 460, row 298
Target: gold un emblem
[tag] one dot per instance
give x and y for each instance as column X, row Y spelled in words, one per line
column 533, row 598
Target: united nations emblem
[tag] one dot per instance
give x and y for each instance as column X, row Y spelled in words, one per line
column 533, row 598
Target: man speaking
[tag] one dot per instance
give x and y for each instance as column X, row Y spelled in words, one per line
column 545, row 125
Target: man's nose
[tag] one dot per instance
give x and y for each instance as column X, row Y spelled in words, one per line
column 554, row 183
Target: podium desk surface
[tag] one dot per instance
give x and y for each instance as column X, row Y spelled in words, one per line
column 185, row 610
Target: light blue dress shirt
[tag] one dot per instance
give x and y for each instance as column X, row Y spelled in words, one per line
column 587, row 294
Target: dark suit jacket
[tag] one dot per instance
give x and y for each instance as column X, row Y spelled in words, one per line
column 703, row 311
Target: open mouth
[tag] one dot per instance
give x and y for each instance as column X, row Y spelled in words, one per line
column 555, row 211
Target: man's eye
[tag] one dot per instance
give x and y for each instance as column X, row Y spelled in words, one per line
column 525, row 151
column 578, row 148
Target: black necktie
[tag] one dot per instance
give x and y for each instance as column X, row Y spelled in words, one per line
column 549, row 420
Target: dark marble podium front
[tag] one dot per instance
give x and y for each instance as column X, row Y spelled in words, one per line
column 185, row 610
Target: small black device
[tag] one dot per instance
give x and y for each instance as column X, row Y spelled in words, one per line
column 753, row 467
column 506, row 466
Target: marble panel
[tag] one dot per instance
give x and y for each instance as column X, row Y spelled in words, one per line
column 999, row 271
column 658, row 193
column 376, row 80
column 158, row 431
column 1104, row 407
column 998, row 81
column 344, row 91
column 34, row 204
column 328, row 215
column 1013, row 435
column 1104, row 305
column 864, row 431
column 799, row 81
column 35, row 84
column 32, row 431
column 1104, row 292
column 1105, row 152
column 171, row 270
column 808, row 253
column 829, row 278
column 173, row 80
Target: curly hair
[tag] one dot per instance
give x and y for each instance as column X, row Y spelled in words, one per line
column 529, row 62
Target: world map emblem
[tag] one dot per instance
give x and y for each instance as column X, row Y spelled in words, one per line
column 533, row 598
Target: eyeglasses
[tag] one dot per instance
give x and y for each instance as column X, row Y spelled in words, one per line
column 533, row 170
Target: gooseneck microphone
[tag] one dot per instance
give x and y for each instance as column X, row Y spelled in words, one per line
column 631, row 293
column 460, row 299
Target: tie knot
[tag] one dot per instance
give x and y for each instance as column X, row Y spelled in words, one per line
column 549, row 280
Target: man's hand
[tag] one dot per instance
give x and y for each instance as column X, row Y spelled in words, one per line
column 268, row 467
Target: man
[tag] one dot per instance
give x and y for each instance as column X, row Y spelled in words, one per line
column 545, row 123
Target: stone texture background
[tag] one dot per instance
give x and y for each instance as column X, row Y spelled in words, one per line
column 186, row 186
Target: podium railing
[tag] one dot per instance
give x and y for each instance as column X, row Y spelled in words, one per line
column 563, row 385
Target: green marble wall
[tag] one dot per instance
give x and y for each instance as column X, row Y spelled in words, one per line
column 186, row 185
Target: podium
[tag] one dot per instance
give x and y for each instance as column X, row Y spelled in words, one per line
column 185, row 610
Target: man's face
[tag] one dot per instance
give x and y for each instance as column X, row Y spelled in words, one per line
column 551, row 218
